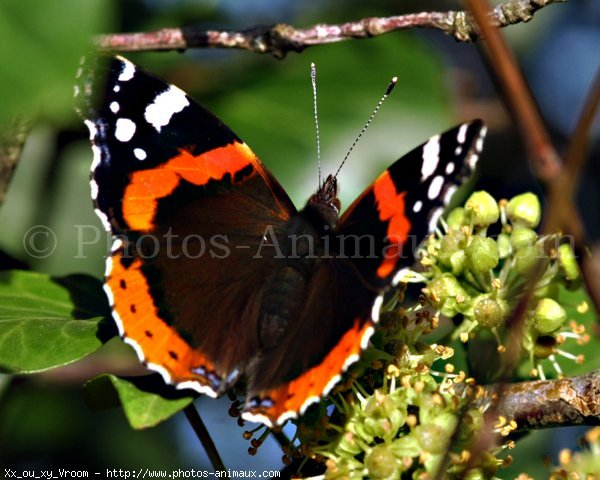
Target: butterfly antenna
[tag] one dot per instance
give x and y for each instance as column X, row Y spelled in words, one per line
column 313, row 80
column 381, row 100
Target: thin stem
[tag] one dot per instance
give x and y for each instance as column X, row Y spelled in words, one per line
column 202, row 433
column 542, row 154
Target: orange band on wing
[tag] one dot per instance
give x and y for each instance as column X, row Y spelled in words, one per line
column 146, row 187
column 312, row 383
column 160, row 344
column 391, row 208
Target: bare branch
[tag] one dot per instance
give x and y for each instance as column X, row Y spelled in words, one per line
column 546, row 403
column 280, row 39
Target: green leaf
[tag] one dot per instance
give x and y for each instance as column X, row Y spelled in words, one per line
column 47, row 322
column 146, row 400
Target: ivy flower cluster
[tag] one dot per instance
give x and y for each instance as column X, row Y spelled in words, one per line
column 479, row 278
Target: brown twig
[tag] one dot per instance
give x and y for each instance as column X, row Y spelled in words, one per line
column 202, row 433
column 546, row 403
column 280, row 39
column 561, row 194
column 541, row 152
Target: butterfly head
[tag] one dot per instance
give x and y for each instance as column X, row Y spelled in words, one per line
column 326, row 202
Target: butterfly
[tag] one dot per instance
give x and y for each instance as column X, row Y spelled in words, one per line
column 214, row 277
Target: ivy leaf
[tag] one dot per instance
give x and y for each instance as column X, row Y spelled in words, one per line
column 146, row 400
column 48, row 322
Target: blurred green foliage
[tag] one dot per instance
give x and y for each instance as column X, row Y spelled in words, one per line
column 41, row 43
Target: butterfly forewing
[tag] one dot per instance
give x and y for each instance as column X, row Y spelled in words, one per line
column 189, row 201
column 381, row 230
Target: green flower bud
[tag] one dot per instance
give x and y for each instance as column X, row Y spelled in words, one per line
column 489, row 313
column 444, row 292
column 482, row 254
column 503, row 242
column 548, row 316
column 526, row 258
column 406, row 446
column 457, row 261
column 450, row 244
column 456, row 218
column 432, row 437
column 385, row 414
column 348, row 444
column 475, row 474
column 482, row 209
column 382, row 463
column 451, row 252
column 524, row 210
column 567, row 262
column 522, row 236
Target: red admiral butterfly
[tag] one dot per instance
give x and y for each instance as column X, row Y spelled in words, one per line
column 215, row 276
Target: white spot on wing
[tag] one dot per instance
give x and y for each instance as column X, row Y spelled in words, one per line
column 111, row 301
column 433, row 220
column 95, row 150
column 417, row 206
column 114, row 107
column 92, row 128
column 117, row 242
column 462, row 133
column 258, row 418
column 193, row 385
column 479, row 143
column 127, row 72
column 364, row 341
column 449, row 193
column 450, row 168
column 108, row 267
column 97, row 157
column 431, row 157
column 139, row 153
column 376, row 308
column 124, row 129
column 435, row 187
column 140, row 354
column 94, row 189
column 472, row 160
column 118, row 321
column 103, row 218
column 165, row 105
